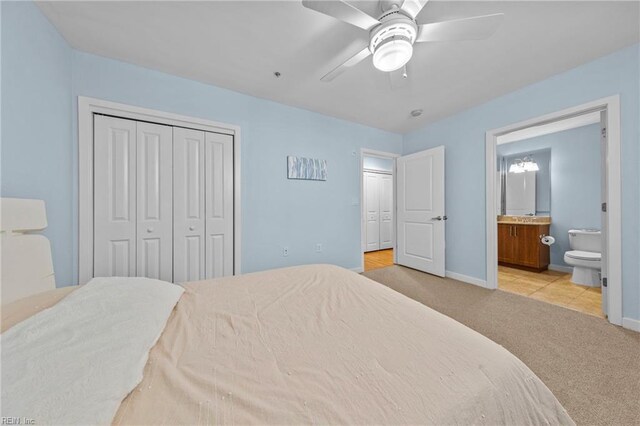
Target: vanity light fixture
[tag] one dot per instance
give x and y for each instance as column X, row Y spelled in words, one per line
column 524, row 165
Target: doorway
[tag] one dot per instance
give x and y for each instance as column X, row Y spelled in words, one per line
column 577, row 267
column 166, row 133
column 549, row 221
column 377, row 198
column 417, row 214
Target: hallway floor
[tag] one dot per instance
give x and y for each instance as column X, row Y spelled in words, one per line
column 552, row 287
column 378, row 259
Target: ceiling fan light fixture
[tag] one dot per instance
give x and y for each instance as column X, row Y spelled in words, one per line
column 392, row 54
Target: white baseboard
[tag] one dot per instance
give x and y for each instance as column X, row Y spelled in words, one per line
column 466, row 279
column 358, row 269
column 561, row 268
column 631, row 324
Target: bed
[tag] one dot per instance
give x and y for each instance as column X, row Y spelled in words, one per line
column 308, row 344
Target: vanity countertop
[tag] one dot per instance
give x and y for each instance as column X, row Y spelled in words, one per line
column 525, row 220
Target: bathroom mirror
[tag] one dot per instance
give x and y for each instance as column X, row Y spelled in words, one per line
column 524, row 180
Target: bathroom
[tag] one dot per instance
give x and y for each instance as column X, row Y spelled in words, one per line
column 549, row 186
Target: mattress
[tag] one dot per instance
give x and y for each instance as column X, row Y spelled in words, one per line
column 320, row 344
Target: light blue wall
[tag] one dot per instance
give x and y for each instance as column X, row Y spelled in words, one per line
column 574, row 174
column 36, row 123
column 42, row 78
column 276, row 212
column 463, row 135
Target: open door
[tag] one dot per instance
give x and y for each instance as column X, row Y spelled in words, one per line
column 421, row 215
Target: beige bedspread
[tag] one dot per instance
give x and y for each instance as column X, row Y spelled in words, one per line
column 320, row 344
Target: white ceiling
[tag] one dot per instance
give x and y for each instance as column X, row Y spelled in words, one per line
column 239, row 44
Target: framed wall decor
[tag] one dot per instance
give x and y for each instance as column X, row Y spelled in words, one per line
column 306, row 168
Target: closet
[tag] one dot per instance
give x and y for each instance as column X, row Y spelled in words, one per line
column 163, row 201
column 378, row 211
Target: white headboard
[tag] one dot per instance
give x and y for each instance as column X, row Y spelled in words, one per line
column 26, row 267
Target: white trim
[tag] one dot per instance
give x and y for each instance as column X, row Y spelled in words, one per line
column 631, row 324
column 614, row 224
column 365, row 152
column 357, row 269
column 466, row 279
column 548, row 128
column 561, row 268
column 380, row 172
column 89, row 106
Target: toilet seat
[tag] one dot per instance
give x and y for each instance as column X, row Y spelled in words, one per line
column 584, row 255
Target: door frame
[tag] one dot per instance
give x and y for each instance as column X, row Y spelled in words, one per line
column 612, row 197
column 365, row 152
column 87, row 107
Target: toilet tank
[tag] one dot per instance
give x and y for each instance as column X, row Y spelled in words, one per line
column 585, row 240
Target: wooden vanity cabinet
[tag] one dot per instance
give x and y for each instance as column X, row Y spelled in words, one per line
column 519, row 246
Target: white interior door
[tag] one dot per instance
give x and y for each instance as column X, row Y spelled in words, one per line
column 188, row 205
column 114, row 251
column 386, row 211
column 372, row 211
column 421, row 211
column 154, row 201
column 218, row 205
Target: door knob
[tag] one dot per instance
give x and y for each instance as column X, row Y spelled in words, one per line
column 439, row 218
column 192, row 228
column 149, row 230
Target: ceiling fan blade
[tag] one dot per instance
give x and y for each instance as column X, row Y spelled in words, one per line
column 343, row 11
column 475, row 28
column 413, row 7
column 355, row 59
column 399, row 78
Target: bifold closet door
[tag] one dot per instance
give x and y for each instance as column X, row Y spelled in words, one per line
column 188, row 205
column 132, row 199
column 163, row 201
column 385, row 187
column 154, row 241
column 372, row 211
column 218, row 205
column 114, row 197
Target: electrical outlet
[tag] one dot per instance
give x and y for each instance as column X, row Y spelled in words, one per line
column 319, row 248
column 285, row 251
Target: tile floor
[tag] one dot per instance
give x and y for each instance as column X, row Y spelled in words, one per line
column 552, row 287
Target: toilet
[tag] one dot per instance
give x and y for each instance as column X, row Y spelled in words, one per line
column 585, row 256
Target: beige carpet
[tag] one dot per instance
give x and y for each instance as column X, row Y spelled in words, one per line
column 591, row 366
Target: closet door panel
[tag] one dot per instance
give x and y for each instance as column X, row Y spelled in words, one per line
column 218, row 205
column 188, row 205
column 372, row 211
column 114, row 197
column 386, row 211
column 155, row 201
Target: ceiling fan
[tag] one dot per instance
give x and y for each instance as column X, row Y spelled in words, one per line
column 393, row 34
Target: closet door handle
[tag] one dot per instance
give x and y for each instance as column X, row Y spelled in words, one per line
column 511, row 231
column 516, row 229
column 149, row 230
column 192, row 228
